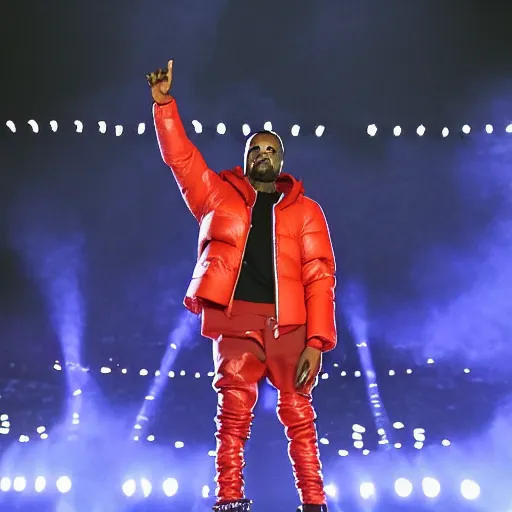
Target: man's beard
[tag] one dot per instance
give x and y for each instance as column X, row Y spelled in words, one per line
column 263, row 172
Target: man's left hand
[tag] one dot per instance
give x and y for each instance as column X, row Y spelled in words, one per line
column 308, row 367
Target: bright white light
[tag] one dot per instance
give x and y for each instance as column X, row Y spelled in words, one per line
column 324, row 440
column 170, row 487
column 119, row 130
column 146, row 487
column 330, row 490
column 356, row 436
column 367, row 490
column 469, row 489
column 57, row 367
column 391, row 372
column 343, row 453
column 445, row 442
column 54, row 126
column 40, row 430
column 212, row 453
column 421, row 130
column 246, row 129
column 467, row 370
column 5, row 484
column 268, row 126
column 489, row 128
column 137, row 427
column 24, row 439
column 295, row 130
column 183, row 373
column 124, row 371
column 102, row 126
column 418, row 431
column 11, row 126
column 206, row 491
column 381, row 432
column 403, row 487
column 398, row 445
column 466, row 129
column 105, row 369
column 397, row 131
column 150, row 397
column 408, row 371
column 63, row 484
column 44, row 436
column 358, row 444
column 179, row 444
column 430, row 361
column 358, row 428
column 129, row 488
column 40, row 484
column 319, row 130
column 77, row 392
column 343, row 373
column 325, row 376
column 4, row 417
column 445, row 132
column 398, row 425
column 198, row 127
column 171, row 374
column 19, row 484
column 141, row 128
column 431, row 487
column 357, row 373
column 372, row 130
column 197, row 375
column 33, row 124
column 366, row 452
column 508, row 129
column 143, row 372
column 221, row 128
column 79, row 126
column 151, row 438
column 418, row 445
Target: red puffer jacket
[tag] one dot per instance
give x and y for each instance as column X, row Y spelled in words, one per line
column 222, row 203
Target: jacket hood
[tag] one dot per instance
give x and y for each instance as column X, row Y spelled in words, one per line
column 286, row 184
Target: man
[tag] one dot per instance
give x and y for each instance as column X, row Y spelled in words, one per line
column 264, row 284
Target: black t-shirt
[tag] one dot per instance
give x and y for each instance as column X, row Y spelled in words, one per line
column 256, row 281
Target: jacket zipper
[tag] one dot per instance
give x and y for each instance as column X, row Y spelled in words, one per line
column 230, row 305
column 276, row 278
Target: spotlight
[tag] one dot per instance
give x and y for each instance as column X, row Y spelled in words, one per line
column 198, row 127
column 246, row 129
column 403, row 487
column 431, row 487
column 40, row 484
column 129, row 488
column 19, row 484
column 179, row 444
column 33, row 124
column 205, row 492
column 146, row 487
column 295, row 130
column 141, row 128
column 367, row 490
column 421, row 130
column 397, row 131
column 54, row 126
column 469, row 489
column 466, row 129
column 170, row 487
column 64, row 484
column 358, row 428
column 508, row 129
column 143, row 372
column 319, row 130
column 5, row 484
column 102, row 126
column 119, row 130
column 79, row 126
column 343, row 453
column 11, row 126
column 372, row 130
column 489, row 128
column 221, row 128
column 268, row 126
column 330, row 490
column 445, row 132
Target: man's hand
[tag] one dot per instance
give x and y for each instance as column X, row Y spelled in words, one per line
column 308, row 367
column 160, row 82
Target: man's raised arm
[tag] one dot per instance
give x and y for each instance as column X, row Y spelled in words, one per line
column 195, row 180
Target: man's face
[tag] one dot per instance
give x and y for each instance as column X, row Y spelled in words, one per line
column 264, row 158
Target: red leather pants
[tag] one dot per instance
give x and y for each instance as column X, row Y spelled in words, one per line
column 245, row 350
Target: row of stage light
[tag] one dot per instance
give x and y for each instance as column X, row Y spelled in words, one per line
column 357, row 436
column 221, row 128
column 404, row 488
column 197, row 375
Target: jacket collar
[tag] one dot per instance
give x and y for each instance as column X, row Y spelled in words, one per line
column 286, row 184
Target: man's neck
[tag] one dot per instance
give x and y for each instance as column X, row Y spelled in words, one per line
column 261, row 186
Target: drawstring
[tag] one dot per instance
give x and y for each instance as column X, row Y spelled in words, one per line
column 275, row 327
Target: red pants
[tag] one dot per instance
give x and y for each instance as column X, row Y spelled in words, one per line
column 246, row 348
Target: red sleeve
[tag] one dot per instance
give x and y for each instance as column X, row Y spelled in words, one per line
column 318, row 276
column 195, row 180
